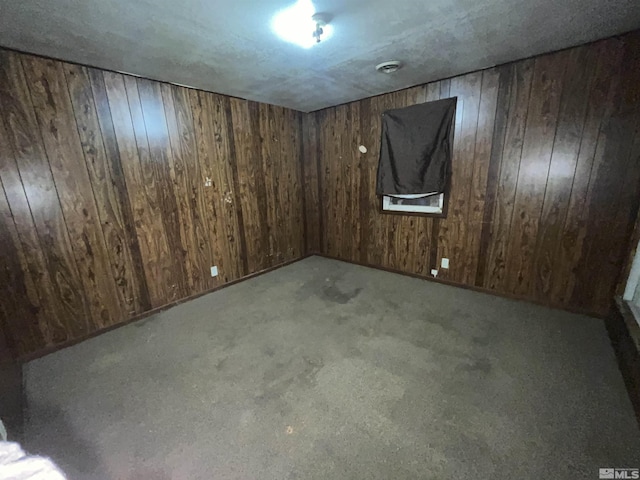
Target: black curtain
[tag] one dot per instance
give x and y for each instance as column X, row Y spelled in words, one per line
column 415, row 152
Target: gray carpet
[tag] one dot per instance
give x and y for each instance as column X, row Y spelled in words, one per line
column 326, row 370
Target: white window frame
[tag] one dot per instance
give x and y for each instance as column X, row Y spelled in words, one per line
column 387, row 206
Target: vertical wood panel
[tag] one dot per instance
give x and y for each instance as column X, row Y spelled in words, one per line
column 409, row 225
column 245, row 129
column 21, row 310
column 511, row 154
column 289, row 187
column 54, row 111
column 567, row 284
column 392, row 223
column 577, row 80
column 148, row 239
column 108, row 188
column 537, row 148
column 204, row 137
column 295, row 182
column 125, row 215
column 223, row 189
column 380, row 241
column 613, row 194
column 194, row 181
column 167, row 172
column 160, row 214
column 331, row 180
column 281, row 222
column 454, row 229
column 36, row 210
column 311, row 185
column 437, row 238
column 481, row 162
column 341, row 211
column 344, row 222
column 235, row 187
column 493, row 174
column 261, row 187
column 367, row 172
column 269, row 171
column 182, row 183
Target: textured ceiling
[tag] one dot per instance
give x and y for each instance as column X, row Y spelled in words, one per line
column 228, row 46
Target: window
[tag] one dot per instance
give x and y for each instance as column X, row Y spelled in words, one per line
column 428, row 203
column 414, row 170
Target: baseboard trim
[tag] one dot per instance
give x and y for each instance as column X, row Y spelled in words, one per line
column 468, row 287
column 54, row 348
column 624, row 333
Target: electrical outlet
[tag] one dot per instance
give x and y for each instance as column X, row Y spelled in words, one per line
column 434, row 272
column 214, row 271
column 445, row 263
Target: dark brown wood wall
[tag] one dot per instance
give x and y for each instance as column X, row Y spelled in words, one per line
column 104, row 212
column 546, row 178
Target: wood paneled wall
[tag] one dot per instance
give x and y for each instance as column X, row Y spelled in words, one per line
column 119, row 193
column 545, row 187
column 104, row 211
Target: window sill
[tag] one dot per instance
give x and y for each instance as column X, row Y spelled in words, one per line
column 413, row 214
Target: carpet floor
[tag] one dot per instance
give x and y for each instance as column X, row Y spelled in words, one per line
column 327, row 370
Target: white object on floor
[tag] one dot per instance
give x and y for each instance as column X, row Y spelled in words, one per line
column 17, row 465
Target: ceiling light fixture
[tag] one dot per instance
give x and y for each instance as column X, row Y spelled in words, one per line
column 301, row 25
column 321, row 20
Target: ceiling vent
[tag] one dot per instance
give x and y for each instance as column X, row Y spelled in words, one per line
column 389, row 67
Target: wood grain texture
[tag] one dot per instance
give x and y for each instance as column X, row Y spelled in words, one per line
column 456, row 227
column 24, row 307
column 499, row 128
column 127, row 150
column 313, row 226
column 533, row 175
column 545, row 186
column 615, row 168
column 156, row 162
column 20, row 307
column 184, row 175
column 50, row 96
column 481, row 164
column 105, row 213
column 566, row 148
column 36, row 211
column 108, row 186
column 164, row 259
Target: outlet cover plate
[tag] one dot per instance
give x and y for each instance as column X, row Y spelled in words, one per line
column 214, row 271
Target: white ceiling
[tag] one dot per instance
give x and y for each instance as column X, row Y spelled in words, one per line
column 227, row 46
